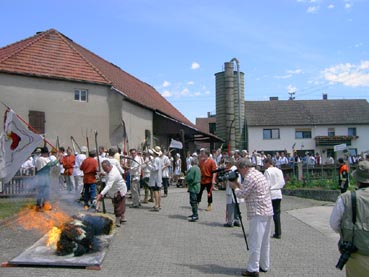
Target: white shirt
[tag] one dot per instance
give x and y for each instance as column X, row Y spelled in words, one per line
column 79, row 159
column 276, row 181
column 114, row 183
column 155, row 167
column 336, row 215
column 166, row 164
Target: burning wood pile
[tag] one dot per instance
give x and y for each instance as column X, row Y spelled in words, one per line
column 79, row 236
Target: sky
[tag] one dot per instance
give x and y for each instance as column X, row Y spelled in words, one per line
column 299, row 48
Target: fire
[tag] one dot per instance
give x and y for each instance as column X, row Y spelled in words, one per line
column 43, row 222
column 53, row 237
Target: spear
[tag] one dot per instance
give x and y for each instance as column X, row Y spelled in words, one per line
column 99, row 181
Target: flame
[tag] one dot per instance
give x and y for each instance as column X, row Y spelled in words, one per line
column 43, row 222
column 53, row 237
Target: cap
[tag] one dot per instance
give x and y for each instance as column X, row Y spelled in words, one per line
column 361, row 173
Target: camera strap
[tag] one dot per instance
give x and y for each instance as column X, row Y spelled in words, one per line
column 353, row 205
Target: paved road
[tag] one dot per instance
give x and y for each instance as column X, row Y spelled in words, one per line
column 165, row 244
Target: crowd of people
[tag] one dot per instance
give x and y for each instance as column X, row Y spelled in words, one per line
column 120, row 175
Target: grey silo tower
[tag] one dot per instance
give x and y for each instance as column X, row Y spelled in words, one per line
column 230, row 105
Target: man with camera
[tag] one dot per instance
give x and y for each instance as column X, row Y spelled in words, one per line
column 350, row 218
column 254, row 188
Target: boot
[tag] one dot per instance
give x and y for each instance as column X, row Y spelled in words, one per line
column 117, row 221
column 208, row 209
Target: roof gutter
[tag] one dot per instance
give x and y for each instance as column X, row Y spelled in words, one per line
column 188, row 126
column 117, row 90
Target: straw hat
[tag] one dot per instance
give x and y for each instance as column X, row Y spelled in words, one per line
column 157, row 150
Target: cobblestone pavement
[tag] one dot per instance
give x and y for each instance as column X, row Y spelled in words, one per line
column 165, row 244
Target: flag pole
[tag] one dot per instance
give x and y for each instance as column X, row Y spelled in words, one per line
column 28, row 125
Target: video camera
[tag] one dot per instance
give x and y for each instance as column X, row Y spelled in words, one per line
column 346, row 248
column 226, row 174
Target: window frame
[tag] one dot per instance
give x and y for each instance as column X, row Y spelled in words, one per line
column 271, row 133
column 304, row 132
column 80, row 97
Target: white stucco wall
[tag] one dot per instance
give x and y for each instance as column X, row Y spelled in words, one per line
column 137, row 120
column 66, row 117
column 287, row 138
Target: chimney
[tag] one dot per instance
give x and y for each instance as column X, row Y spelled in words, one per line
column 325, row 96
column 273, row 98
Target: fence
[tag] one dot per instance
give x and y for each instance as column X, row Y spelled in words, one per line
column 18, row 186
column 323, row 175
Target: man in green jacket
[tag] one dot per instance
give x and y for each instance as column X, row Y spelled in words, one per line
column 193, row 178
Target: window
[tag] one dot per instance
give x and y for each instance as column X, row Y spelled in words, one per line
column 331, row 132
column 37, row 121
column 81, row 95
column 351, row 132
column 270, row 133
column 302, row 133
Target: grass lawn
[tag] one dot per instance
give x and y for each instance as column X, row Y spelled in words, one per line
column 11, row 206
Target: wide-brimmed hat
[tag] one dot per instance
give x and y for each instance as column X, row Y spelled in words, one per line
column 361, row 173
column 84, row 149
column 157, row 150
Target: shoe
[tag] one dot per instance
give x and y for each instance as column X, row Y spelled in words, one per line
column 47, row 206
column 86, row 207
column 194, row 219
column 208, row 209
column 135, row 206
column 227, row 225
column 145, row 201
column 117, row 222
column 262, row 270
column 190, row 216
column 151, row 200
column 39, row 209
column 248, row 273
column 276, row 236
column 155, row 209
column 123, row 219
column 236, row 223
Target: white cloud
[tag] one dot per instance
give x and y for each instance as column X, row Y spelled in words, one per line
column 358, row 44
column 190, row 83
column 312, row 9
column 291, row 89
column 185, row 92
column 330, row 6
column 289, row 74
column 350, row 75
column 166, row 93
column 296, row 71
column 195, row 66
column 166, row 84
column 348, row 5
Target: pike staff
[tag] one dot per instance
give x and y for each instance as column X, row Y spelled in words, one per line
column 99, row 178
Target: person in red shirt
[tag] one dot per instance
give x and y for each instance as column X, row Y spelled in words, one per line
column 68, row 162
column 343, row 177
column 89, row 167
column 208, row 179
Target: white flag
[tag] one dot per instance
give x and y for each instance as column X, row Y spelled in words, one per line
column 175, row 144
column 16, row 145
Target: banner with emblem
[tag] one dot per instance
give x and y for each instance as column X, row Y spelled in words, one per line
column 17, row 143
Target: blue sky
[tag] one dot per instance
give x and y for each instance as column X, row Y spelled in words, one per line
column 309, row 47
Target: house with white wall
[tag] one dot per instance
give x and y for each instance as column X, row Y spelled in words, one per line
column 62, row 89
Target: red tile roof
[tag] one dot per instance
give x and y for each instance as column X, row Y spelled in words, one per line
column 50, row 54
